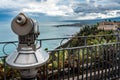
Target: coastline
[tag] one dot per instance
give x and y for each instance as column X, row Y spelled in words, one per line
column 70, row 25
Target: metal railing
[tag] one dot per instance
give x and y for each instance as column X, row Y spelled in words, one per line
column 95, row 62
column 88, row 62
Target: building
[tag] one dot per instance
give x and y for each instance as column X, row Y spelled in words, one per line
column 109, row 25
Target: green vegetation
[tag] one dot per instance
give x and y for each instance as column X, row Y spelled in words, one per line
column 8, row 71
column 93, row 36
column 83, row 54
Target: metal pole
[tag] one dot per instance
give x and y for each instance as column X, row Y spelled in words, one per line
column 85, row 39
column 117, row 36
column 4, row 69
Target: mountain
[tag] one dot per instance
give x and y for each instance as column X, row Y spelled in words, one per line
column 93, row 21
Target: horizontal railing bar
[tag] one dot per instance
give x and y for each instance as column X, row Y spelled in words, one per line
column 8, row 42
column 80, row 47
column 3, row 56
column 92, row 36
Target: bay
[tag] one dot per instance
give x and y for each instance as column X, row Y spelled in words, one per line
column 47, row 31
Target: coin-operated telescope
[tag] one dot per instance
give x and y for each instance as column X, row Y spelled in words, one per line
column 27, row 58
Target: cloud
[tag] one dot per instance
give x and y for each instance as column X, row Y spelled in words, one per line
column 116, row 1
column 68, row 9
column 88, row 1
column 107, row 14
column 48, row 7
column 97, row 9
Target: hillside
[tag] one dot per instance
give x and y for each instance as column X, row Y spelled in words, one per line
column 91, row 31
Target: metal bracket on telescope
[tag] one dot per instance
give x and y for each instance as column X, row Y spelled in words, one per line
column 27, row 58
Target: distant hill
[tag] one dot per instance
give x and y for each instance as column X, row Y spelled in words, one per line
column 93, row 21
column 70, row 25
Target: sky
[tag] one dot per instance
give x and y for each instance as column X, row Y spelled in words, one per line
column 46, row 10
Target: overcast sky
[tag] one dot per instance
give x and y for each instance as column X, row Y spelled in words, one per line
column 61, row 9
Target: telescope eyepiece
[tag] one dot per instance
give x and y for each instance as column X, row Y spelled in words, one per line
column 23, row 25
column 21, row 19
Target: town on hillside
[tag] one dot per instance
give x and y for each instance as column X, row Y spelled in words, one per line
column 109, row 25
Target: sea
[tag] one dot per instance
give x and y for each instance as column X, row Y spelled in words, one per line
column 47, row 31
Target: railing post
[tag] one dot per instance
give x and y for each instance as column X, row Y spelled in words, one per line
column 4, row 65
column 119, row 65
column 117, row 37
column 85, row 39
